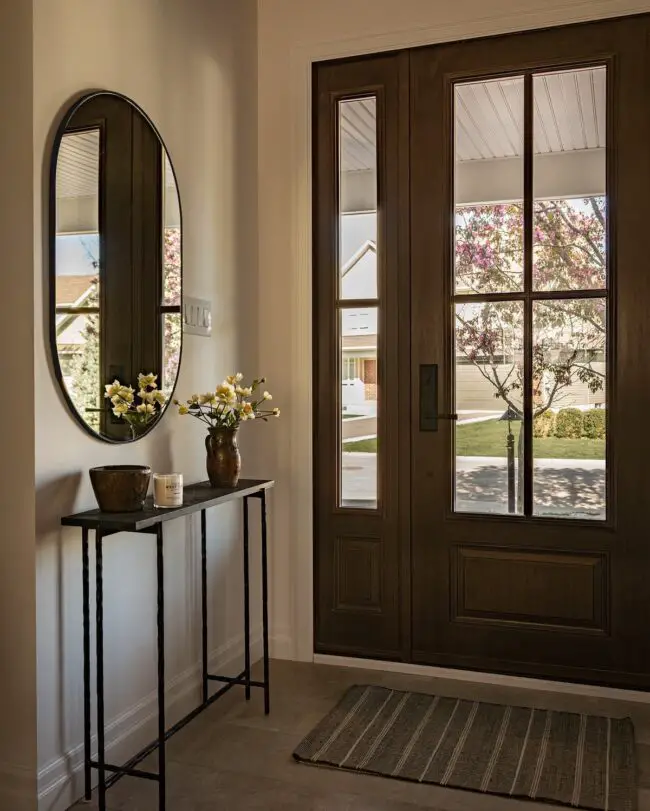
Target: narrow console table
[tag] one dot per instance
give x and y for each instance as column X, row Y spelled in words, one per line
column 197, row 497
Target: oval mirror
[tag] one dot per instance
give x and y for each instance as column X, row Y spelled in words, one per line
column 115, row 267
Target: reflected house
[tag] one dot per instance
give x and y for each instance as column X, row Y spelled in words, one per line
column 72, row 292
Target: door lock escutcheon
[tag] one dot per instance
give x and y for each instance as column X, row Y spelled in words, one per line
column 429, row 415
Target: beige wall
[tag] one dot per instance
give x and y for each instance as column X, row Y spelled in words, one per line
column 192, row 66
column 292, row 34
column 17, row 600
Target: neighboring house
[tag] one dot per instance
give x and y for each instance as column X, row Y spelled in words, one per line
column 71, row 292
column 475, row 394
column 359, row 332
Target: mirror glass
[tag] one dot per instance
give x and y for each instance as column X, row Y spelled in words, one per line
column 116, row 267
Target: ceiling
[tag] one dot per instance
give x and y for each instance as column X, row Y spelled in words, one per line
column 569, row 115
column 77, row 168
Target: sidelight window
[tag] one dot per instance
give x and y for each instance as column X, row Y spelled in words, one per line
column 358, row 306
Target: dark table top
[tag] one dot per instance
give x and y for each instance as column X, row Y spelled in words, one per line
column 195, row 497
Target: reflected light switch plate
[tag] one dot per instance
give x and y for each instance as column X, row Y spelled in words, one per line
column 197, row 316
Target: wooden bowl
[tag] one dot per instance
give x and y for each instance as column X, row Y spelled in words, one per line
column 120, row 488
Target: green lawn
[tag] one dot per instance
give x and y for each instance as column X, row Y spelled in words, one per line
column 347, row 416
column 489, row 439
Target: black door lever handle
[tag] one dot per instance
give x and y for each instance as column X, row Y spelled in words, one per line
column 429, row 398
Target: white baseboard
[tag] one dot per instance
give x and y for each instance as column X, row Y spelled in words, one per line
column 633, row 703
column 60, row 782
column 282, row 646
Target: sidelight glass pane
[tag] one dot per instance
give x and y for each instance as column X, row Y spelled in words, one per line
column 569, row 404
column 359, row 395
column 358, row 199
column 569, row 180
column 489, row 186
column 489, row 404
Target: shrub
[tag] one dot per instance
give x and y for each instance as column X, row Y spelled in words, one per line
column 568, row 423
column 594, row 422
column 544, row 424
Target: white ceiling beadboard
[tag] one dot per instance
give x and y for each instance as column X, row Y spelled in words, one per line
column 77, row 167
column 358, row 135
column 569, row 115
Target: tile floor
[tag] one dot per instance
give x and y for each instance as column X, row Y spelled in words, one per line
column 233, row 758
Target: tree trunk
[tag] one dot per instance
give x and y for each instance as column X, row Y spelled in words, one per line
column 520, row 470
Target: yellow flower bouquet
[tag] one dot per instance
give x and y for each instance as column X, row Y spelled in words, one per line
column 222, row 411
column 139, row 409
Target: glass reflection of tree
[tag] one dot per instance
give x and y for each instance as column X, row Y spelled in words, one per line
column 84, row 366
column 171, row 296
column 569, row 254
column 86, row 388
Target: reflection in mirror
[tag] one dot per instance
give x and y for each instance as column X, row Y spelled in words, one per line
column 116, row 259
column 77, row 271
column 172, row 330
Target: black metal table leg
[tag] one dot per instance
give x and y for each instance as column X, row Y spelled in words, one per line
column 161, row 667
column 247, row 607
column 86, row 625
column 204, row 609
column 99, row 617
column 265, row 608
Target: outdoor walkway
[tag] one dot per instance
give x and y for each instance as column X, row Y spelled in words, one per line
column 566, row 487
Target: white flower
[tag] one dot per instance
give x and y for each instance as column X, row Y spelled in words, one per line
column 247, row 409
column 160, row 397
column 276, row 412
column 267, row 396
column 126, row 393
column 183, row 409
column 147, row 380
column 112, row 388
column 243, row 392
column 239, row 376
column 207, row 399
column 146, row 396
column 226, row 392
column 120, row 408
column 145, row 408
column 194, row 399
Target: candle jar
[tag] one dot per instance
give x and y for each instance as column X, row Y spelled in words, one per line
column 167, row 489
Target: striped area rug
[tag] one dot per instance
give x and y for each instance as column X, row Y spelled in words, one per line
column 583, row 761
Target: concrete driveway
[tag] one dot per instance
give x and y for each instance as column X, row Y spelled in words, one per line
column 562, row 487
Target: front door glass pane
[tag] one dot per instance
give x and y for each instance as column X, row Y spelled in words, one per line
column 569, row 404
column 489, row 186
column 569, row 180
column 489, row 404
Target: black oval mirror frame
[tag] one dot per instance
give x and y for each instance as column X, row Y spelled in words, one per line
column 115, row 260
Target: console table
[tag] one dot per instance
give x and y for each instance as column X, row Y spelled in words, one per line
column 197, row 497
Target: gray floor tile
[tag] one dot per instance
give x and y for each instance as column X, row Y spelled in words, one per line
column 234, row 757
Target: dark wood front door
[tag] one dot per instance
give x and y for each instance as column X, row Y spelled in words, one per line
column 480, row 368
